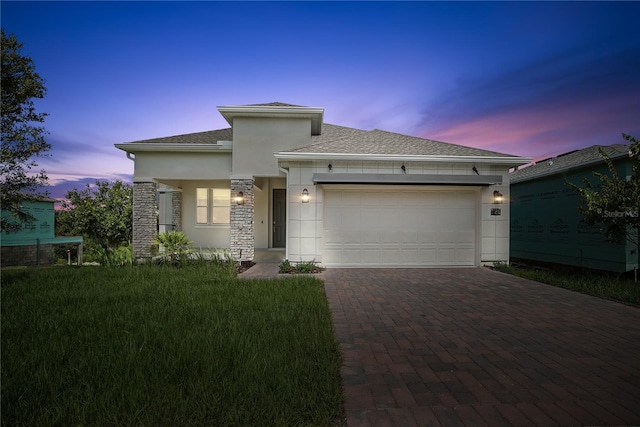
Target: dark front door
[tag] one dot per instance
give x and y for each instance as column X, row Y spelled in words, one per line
column 279, row 218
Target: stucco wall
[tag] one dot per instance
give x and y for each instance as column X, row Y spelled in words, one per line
column 203, row 236
column 256, row 139
column 182, row 165
column 305, row 229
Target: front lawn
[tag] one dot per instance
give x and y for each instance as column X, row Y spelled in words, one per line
column 599, row 285
column 150, row 346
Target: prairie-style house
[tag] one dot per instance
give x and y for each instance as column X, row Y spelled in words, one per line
column 280, row 178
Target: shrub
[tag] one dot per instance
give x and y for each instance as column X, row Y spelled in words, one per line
column 174, row 247
column 119, row 257
column 285, row 267
column 302, row 267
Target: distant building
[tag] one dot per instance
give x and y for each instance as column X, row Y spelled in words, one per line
column 545, row 222
column 34, row 243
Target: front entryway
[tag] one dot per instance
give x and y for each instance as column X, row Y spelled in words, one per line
column 279, row 218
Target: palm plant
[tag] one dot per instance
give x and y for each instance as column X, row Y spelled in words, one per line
column 174, row 246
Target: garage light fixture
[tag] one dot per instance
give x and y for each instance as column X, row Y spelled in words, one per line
column 497, row 197
column 305, row 196
column 240, row 198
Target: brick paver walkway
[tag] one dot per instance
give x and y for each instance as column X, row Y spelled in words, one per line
column 473, row 347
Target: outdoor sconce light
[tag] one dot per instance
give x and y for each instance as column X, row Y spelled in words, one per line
column 305, row 196
column 240, row 198
column 330, row 167
column 497, row 197
column 404, row 169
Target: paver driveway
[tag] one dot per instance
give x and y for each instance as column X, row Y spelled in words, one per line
column 475, row 347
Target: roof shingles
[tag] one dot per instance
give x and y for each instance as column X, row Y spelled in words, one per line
column 345, row 140
column 567, row 161
column 341, row 140
column 207, row 137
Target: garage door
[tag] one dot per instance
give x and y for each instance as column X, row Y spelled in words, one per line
column 396, row 227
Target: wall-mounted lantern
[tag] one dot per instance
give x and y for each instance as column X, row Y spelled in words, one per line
column 240, row 198
column 305, row 196
column 497, row 197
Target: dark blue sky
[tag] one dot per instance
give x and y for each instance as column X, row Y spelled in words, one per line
column 529, row 78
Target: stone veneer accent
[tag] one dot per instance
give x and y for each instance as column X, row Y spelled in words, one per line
column 176, row 210
column 242, row 239
column 145, row 222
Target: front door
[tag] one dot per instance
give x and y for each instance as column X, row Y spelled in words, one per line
column 279, row 218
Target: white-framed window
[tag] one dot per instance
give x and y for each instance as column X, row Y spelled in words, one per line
column 213, row 206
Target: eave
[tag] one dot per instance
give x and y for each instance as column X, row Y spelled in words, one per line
column 496, row 160
column 315, row 114
column 134, row 148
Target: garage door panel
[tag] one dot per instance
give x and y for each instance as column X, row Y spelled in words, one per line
column 400, row 227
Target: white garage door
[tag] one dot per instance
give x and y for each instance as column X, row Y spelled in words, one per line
column 397, row 227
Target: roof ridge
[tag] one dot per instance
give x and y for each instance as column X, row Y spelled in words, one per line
column 273, row 104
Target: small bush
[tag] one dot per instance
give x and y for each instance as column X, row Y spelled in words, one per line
column 302, row 267
column 174, row 248
column 120, row 257
column 285, row 267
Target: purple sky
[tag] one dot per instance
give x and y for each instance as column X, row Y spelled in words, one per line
column 534, row 79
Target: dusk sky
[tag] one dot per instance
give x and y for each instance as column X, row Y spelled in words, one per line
column 534, row 79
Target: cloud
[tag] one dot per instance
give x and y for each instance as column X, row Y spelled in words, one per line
column 60, row 186
column 566, row 101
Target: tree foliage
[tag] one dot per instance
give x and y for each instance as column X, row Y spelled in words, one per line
column 22, row 136
column 613, row 202
column 102, row 213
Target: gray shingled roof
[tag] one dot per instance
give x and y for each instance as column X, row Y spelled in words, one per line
column 208, row 137
column 568, row 161
column 343, row 140
column 346, row 140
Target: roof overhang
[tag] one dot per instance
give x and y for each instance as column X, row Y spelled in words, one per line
column 133, row 147
column 405, row 179
column 315, row 114
column 496, row 160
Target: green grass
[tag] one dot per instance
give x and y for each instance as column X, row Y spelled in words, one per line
column 602, row 286
column 166, row 347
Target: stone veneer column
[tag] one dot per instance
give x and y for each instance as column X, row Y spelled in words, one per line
column 176, row 210
column 242, row 239
column 145, row 223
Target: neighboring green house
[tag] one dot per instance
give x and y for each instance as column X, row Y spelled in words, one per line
column 545, row 222
column 34, row 243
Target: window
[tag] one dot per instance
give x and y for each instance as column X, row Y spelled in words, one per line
column 213, row 205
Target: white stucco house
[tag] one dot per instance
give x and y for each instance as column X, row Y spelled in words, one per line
column 279, row 177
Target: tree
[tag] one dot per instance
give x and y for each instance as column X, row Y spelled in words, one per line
column 22, row 137
column 614, row 202
column 102, row 213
